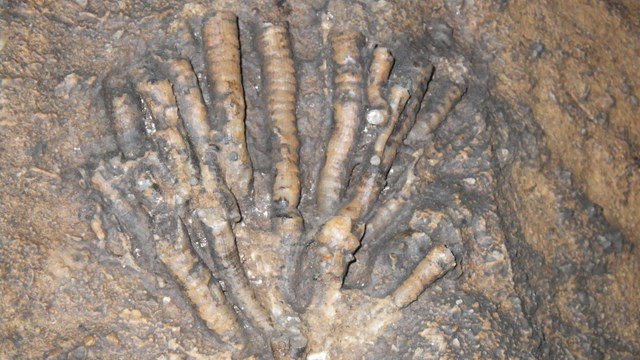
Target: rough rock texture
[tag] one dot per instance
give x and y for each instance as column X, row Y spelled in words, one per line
column 531, row 180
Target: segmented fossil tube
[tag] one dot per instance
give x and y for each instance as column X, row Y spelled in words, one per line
column 398, row 99
column 428, row 121
column 134, row 220
column 158, row 97
column 435, row 265
column 193, row 112
column 290, row 231
column 190, row 105
column 387, row 212
column 384, row 215
column 222, row 56
column 279, row 83
column 372, row 180
column 334, row 247
column 229, row 268
column 127, row 124
column 348, row 97
column 280, row 88
column 418, row 89
column 378, row 74
column 378, row 113
column 337, row 244
column 195, row 279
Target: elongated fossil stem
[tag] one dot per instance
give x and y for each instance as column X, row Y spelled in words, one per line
column 133, row 220
column 158, row 97
column 205, row 294
column 280, row 89
column 428, row 121
column 127, row 124
column 336, row 240
column 398, row 99
column 194, row 117
column 215, row 195
column 382, row 218
column 191, row 106
column 222, row 57
column 379, row 71
column 290, row 232
column 418, row 89
column 387, row 212
column 172, row 247
column 222, row 245
column 366, row 194
column 337, row 244
column 372, row 180
column 334, row 245
column 348, row 98
column 378, row 113
column 435, row 265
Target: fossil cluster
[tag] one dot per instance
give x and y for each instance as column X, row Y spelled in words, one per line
column 267, row 279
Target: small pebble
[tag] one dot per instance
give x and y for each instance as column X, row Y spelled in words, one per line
column 89, row 340
column 537, row 49
column 374, row 117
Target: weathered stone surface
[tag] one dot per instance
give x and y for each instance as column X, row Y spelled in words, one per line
column 531, row 180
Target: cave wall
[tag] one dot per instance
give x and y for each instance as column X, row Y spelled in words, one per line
column 561, row 83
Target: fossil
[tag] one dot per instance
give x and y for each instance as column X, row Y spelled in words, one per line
column 183, row 188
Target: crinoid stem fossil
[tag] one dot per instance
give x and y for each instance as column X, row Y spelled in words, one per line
column 347, row 105
column 428, row 121
column 159, row 99
column 222, row 57
column 280, row 89
column 263, row 283
column 418, row 89
column 386, row 213
column 227, row 266
column 372, row 179
column 379, row 71
column 133, row 219
column 194, row 116
column 125, row 118
column 205, row 293
column 438, row 262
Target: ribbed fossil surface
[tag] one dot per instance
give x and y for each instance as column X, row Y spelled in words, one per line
column 199, row 204
column 319, row 179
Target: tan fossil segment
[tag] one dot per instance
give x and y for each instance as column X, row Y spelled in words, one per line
column 222, row 53
column 347, row 110
column 125, row 123
column 379, row 71
column 181, row 197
